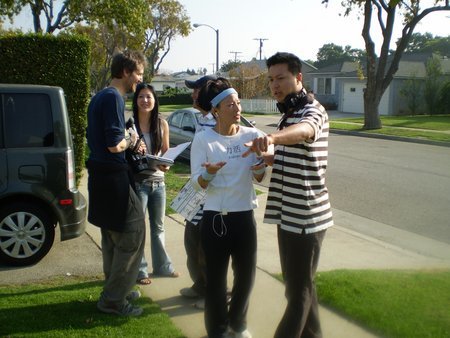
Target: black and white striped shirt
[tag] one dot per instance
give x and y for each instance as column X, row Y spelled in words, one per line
column 298, row 198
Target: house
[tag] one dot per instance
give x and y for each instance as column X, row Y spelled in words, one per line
column 162, row 82
column 176, row 80
column 341, row 86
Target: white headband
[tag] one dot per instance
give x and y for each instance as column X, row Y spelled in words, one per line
column 215, row 101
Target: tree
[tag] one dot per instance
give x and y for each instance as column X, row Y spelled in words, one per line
column 381, row 69
column 105, row 42
column 111, row 26
column 444, row 99
column 331, row 54
column 229, row 65
column 417, row 42
column 433, row 85
column 168, row 20
column 249, row 80
column 427, row 43
column 125, row 14
column 412, row 91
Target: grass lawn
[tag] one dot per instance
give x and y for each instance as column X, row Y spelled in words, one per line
column 434, row 122
column 172, row 107
column 391, row 303
column 434, row 128
column 66, row 307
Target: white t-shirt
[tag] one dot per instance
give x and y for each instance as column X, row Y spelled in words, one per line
column 205, row 121
column 232, row 188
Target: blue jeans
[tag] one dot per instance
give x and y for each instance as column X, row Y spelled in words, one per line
column 153, row 198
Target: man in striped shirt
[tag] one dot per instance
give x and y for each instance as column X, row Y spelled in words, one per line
column 298, row 198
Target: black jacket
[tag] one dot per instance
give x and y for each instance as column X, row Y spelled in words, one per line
column 109, row 195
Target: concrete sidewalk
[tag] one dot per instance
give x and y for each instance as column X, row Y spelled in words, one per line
column 351, row 244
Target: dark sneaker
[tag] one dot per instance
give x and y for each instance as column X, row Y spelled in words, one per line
column 133, row 295
column 189, row 293
column 200, row 304
column 233, row 334
column 124, row 310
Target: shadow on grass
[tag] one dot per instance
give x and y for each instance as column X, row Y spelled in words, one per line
column 43, row 290
column 64, row 310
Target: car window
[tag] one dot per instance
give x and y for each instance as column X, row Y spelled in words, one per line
column 176, row 119
column 188, row 121
column 28, row 120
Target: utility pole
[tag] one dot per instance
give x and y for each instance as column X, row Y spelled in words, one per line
column 235, row 55
column 260, row 45
column 212, row 64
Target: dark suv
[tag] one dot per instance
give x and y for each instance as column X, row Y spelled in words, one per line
column 37, row 173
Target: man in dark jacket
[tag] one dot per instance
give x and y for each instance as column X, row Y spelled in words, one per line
column 113, row 203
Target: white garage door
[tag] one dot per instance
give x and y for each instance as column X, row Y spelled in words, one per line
column 353, row 99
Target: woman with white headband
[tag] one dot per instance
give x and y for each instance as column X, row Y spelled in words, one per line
column 228, row 229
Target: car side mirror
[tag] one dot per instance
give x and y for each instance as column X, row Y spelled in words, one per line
column 253, row 122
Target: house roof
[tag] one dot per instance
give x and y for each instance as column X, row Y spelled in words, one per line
column 342, row 67
column 261, row 64
column 411, row 64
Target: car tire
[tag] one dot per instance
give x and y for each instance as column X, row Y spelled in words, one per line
column 26, row 234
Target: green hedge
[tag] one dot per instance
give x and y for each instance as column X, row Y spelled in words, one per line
column 54, row 61
column 175, row 99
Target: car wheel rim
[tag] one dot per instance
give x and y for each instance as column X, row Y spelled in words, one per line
column 21, row 235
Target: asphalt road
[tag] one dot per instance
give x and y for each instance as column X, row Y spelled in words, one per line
column 402, row 184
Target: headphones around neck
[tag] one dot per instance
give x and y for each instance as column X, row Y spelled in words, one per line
column 295, row 102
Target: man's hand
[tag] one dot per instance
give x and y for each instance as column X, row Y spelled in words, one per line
column 259, row 145
column 133, row 136
column 163, row 168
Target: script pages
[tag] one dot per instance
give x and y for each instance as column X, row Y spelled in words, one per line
column 168, row 157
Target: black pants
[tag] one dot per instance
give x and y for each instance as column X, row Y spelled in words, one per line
column 224, row 236
column 195, row 257
column 299, row 255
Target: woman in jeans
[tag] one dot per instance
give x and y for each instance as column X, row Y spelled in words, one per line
column 150, row 182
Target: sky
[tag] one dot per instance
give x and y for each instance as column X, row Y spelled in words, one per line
column 301, row 27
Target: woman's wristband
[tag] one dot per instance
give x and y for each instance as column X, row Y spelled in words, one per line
column 206, row 176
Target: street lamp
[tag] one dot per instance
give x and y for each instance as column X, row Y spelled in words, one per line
column 217, row 42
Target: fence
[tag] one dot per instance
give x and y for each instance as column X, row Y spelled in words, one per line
column 259, row 106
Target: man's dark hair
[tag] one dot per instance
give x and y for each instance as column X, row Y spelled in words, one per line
column 127, row 60
column 210, row 90
column 293, row 62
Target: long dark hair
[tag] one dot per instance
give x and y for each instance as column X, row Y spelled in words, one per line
column 154, row 120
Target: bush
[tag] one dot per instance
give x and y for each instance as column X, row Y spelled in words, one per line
column 444, row 99
column 53, row 61
column 184, row 98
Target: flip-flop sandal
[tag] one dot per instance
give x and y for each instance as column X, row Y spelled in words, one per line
column 144, row 281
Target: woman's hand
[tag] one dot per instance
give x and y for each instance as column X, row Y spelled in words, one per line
column 211, row 171
column 213, row 168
